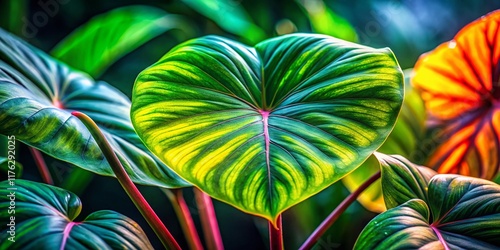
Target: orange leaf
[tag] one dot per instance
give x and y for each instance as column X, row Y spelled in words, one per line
column 459, row 83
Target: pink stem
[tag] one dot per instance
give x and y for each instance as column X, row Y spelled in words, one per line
column 42, row 167
column 142, row 205
column 185, row 218
column 208, row 220
column 276, row 235
column 328, row 222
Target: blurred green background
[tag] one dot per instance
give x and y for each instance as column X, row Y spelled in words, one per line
column 409, row 28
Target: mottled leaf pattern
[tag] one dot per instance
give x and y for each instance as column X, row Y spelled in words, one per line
column 264, row 128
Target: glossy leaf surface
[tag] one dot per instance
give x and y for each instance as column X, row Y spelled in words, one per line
column 94, row 46
column 445, row 212
column 37, row 95
column 44, row 218
column 460, row 84
column 264, row 128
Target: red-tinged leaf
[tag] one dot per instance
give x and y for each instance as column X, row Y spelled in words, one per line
column 459, row 82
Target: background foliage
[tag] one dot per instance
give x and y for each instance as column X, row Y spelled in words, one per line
column 408, row 27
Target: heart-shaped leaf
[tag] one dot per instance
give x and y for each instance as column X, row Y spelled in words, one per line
column 460, row 84
column 37, row 95
column 403, row 180
column 35, row 215
column 407, row 134
column 264, row 128
column 97, row 44
column 458, row 213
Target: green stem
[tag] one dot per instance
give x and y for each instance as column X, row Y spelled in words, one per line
column 142, row 205
column 208, row 220
column 276, row 235
column 182, row 210
column 42, row 167
column 328, row 222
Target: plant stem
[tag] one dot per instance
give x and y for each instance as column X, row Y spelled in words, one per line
column 276, row 235
column 142, row 205
column 182, row 210
column 42, row 167
column 328, row 222
column 208, row 220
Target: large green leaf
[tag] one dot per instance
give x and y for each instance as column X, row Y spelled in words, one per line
column 264, row 128
column 94, row 46
column 39, row 216
column 458, row 213
column 37, row 95
column 404, row 140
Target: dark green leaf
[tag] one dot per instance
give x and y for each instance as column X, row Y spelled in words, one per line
column 42, row 217
column 461, row 213
column 403, row 180
column 37, row 95
column 402, row 227
column 97, row 44
column 264, row 128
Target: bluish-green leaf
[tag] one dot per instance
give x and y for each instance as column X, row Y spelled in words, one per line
column 37, row 96
column 39, row 216
column 97, row 44
column 264, row 128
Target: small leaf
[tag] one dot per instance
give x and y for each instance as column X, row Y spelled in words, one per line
column 97, row 44
column 37, row 96
column 403, row 180
column 43, row 217
column 461, row 213
column 264, row 128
